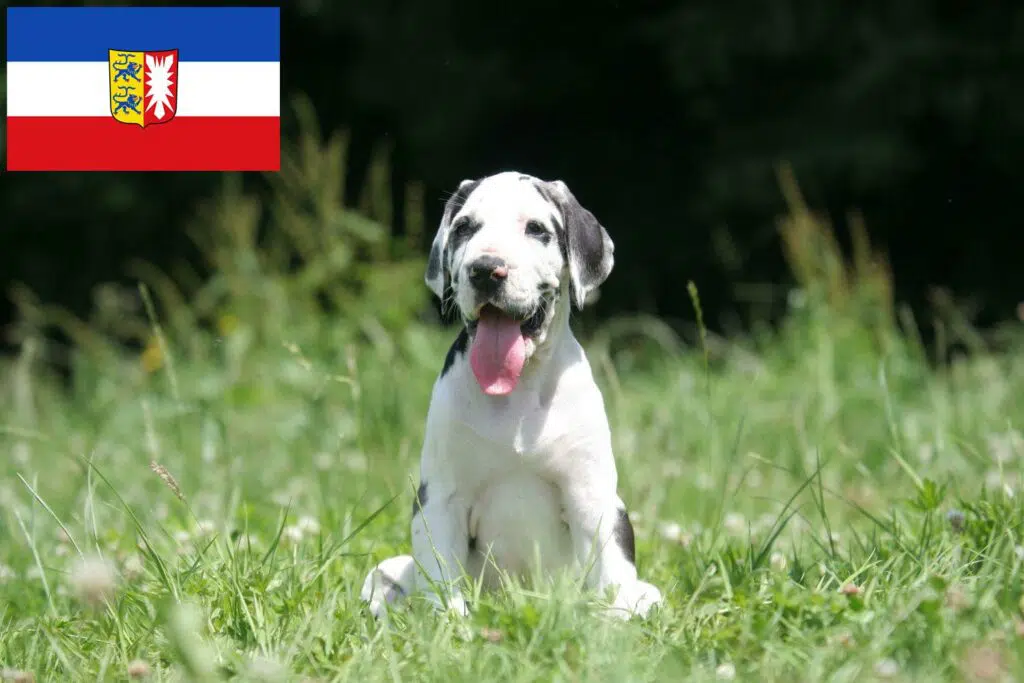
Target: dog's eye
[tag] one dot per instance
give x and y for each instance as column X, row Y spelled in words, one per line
column 537, row 229
column 462, row 230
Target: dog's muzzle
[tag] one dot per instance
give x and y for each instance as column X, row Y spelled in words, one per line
column 487, row 275
column 499, row 329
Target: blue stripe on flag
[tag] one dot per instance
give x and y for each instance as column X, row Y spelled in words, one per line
column 200, row 34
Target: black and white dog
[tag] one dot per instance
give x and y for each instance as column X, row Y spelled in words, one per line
column 517, row 465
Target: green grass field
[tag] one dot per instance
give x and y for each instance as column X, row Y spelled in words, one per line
column 817, row 502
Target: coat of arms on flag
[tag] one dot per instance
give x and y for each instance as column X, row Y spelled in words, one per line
column 143, row 86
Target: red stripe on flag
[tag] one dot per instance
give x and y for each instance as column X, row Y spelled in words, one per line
column 183, row 144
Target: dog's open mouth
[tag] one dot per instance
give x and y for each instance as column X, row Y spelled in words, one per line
column 498, row 351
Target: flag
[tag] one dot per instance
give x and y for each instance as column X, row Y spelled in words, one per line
column 143, row 89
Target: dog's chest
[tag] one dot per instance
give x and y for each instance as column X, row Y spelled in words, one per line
column 505, row 458
column 482, row 437
column 517, row 521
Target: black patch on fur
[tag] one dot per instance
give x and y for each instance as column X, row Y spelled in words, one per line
column 531, row 326
column 585, row 242
column 458, row 200
column 421, row 498
column 438, row 262
column 434, row 264
column 455, row 204
column 560, row 237
column 457, row 348
column 537, row 231
column 563, row 248
column 580, row 239
column 461, row 231
column 624, row 536
column 544, row 192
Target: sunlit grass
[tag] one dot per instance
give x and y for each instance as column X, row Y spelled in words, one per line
column 817, row 503
column 810, row 510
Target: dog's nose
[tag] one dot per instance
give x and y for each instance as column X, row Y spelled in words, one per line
column 487, row 273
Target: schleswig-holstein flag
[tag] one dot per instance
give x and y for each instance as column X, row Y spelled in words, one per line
column 143, row 89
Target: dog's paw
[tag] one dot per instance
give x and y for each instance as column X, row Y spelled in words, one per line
column 635, row 599
column 455, row 604
column 388, row 582
column 378, row 592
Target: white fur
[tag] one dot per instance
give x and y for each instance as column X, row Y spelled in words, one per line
column 530, row 475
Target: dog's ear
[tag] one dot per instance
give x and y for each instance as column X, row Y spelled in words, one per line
column 589, row 250
column 438, row 277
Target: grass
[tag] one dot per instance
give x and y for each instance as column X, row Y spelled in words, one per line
column 817, row 502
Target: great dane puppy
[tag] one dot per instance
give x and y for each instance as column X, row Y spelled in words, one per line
column 517, row 465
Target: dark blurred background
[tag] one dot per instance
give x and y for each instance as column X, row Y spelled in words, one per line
column 667, row 119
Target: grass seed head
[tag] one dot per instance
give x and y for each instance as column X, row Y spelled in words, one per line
column 168, row 479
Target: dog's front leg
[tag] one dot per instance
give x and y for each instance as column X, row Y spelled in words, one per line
column 440, row 544
column 602, row 537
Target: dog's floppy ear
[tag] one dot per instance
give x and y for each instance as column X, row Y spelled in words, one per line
column 438, row 277
column 590, row 252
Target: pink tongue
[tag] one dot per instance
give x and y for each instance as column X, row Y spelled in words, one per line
column 498, row 353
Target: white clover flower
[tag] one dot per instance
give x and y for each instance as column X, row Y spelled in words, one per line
column 137, row 669
column 735, row 523
column 670, row 531
column 264, row 669
column 887, row 668
column 356, row 461
column 725, row 672
column 133, row 567
column 291, row 534
column 672, row 469
column 93, row 580
column 308, row 525
column 778, row 562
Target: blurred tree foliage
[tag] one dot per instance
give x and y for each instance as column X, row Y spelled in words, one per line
column 668, row 119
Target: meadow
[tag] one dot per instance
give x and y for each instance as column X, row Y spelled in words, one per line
column 823, row 499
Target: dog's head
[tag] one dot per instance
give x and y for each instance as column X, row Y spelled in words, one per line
column 505, row 247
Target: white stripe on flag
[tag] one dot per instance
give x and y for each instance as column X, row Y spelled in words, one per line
column 204, row 89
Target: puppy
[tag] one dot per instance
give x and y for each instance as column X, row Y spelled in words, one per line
column 517, row 461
